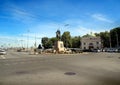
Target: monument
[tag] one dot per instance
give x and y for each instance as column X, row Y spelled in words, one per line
column 59, row 46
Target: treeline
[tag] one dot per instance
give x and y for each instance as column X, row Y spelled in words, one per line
column 69, row 41
column 108, row 38
column 111, row 38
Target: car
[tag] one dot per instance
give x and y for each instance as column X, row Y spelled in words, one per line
column 118, row 50
column 3, row 52
column 96, row 50
column 76, row 50
column 112, row 50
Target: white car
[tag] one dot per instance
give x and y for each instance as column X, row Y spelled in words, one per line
column 3, row 52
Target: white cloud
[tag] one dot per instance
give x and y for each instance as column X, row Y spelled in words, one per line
column 101, row 17
column 84, row 30
column 20, row 14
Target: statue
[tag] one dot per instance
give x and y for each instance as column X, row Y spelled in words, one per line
column 58, row 36
column 59, row 45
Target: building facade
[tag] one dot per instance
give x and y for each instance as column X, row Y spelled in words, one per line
column 91, row 42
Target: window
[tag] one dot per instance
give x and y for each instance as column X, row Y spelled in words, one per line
column 84, row 43
column 97, row 42
column 84, row 47
column 91, row 44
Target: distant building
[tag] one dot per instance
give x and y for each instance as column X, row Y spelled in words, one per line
column 91, row 42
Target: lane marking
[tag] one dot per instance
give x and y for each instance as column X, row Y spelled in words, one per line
column 3, row 57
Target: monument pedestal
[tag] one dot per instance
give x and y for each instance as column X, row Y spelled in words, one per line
column 59, row 46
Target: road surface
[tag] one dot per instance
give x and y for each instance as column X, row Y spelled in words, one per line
column 20, row 68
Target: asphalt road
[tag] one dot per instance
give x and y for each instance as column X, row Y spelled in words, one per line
column 19, row 68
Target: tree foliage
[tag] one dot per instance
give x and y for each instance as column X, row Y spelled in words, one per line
column 115, row 37
column 46, row 43
column 66, row 38
column 87, row 35
column 112, row 37
column 53, row 40
column 105, row 37
column 76, row 42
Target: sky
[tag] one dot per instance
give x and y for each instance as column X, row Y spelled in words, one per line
column 24, row 22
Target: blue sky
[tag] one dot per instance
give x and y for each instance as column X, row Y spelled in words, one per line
column 44, row 17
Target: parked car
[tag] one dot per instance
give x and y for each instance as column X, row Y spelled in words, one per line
column 3, row 52
column 76, row 50
column 112, row 50
column 96, row 50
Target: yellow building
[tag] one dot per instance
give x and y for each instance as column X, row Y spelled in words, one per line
column 91, row 42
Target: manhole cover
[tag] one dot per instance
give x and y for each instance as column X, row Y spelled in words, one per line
column 70, row 73
column 22, row 72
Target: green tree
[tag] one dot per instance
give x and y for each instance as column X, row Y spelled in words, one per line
column 115, row 37
column 49, row 44
column 105, row 37
column 76, row 42
column 66, row 38
column 53, row 40
column 87, row 35
column 97, row 34
column 46, row 43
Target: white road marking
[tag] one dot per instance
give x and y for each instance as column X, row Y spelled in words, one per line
column 3, row 57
